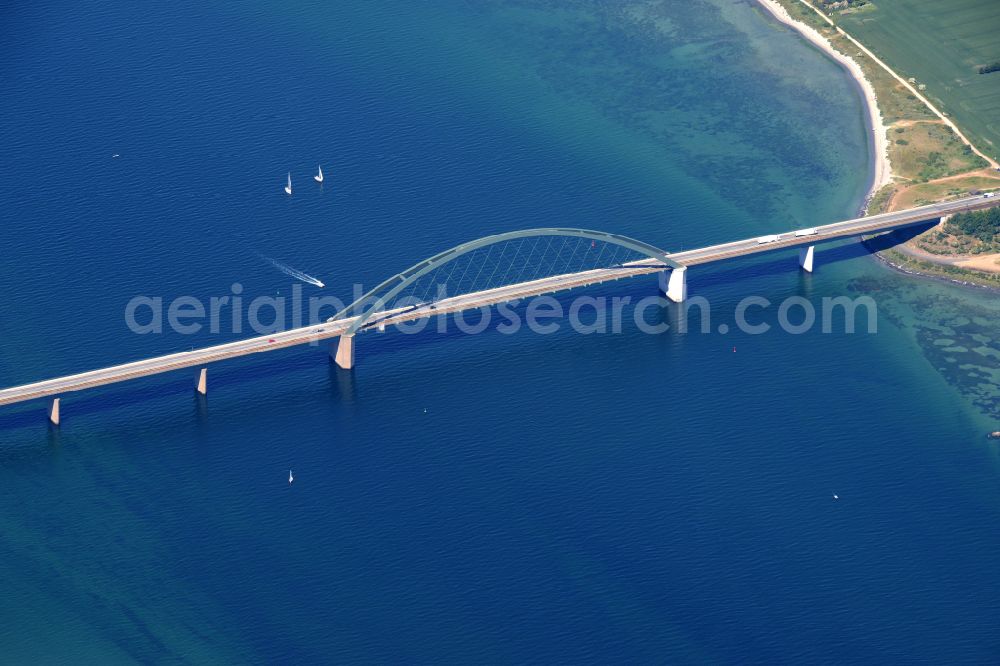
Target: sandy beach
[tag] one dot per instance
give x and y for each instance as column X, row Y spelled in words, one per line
column 883, row 169
column 989, row 263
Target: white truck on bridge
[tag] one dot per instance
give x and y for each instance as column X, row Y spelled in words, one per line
column 675, row 289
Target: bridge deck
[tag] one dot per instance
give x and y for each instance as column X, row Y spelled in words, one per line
column 316, row 332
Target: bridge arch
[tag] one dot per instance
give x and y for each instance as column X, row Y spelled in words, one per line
column 397, row 283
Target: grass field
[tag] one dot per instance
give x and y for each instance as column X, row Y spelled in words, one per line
column 920, row 195
column 929, row 150
column 941, row 44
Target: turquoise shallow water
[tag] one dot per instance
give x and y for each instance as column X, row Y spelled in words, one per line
column 470, row 498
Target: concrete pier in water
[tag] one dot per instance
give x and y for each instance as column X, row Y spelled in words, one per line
column 671, row 267
column 344, row 356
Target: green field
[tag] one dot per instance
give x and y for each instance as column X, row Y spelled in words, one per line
column 925, row 151
column 941, row 43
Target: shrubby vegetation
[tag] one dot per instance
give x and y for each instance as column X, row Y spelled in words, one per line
column 968, row 234
column 935, row 166
column 925, row 151
column 981, row 224
column 837, row 5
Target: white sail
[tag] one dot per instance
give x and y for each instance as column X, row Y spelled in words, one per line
column 288, row 188
column 319, row 176
column 290, row 477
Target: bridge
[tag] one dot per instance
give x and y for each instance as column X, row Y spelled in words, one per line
column 521, row 264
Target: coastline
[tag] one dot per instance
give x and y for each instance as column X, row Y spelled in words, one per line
column 879, row 146
column 896, row 258
column 965, row 278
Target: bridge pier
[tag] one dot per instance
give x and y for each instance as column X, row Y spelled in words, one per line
column 674, row 286
column 54, row 412
column 806, row 256
column 344, row 355
column 202, row 386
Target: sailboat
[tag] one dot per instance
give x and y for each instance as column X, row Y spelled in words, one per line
column 290, row 477
column 319, row 176
column 288, row 188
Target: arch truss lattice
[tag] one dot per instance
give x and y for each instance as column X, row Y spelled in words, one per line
column 500, row 260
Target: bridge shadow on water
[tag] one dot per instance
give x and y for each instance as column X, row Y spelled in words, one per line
column 341, row 385
column 146, row 390
column 782, row 260
column 885, row 241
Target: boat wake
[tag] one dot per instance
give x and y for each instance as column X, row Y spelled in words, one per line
column 288, row 270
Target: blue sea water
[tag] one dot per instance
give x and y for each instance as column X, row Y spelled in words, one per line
column 488, row 498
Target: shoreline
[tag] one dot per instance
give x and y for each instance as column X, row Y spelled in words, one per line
column 938, row 277
column 960, row 261
column 879, row 144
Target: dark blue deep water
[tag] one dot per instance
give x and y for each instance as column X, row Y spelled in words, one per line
column 470, row 499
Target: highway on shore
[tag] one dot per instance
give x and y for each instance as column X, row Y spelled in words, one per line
column 556, row 283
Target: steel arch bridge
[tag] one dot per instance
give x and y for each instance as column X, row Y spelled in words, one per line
column 377, row 299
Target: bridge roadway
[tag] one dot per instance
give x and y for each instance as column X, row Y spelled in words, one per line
column 556, row 283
